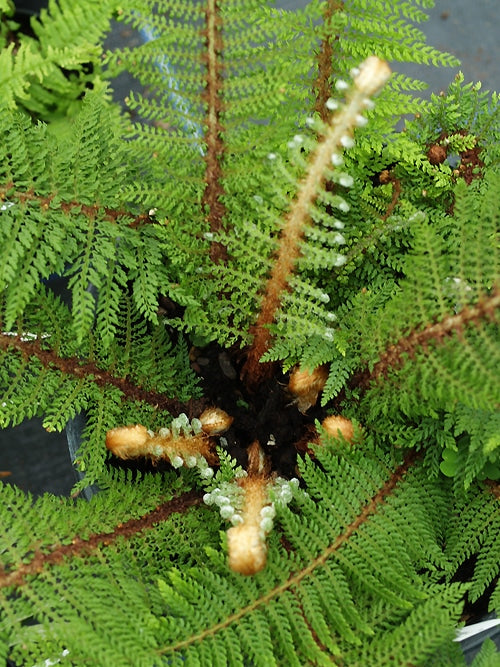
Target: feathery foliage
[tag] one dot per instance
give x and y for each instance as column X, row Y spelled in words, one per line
column 250, row 232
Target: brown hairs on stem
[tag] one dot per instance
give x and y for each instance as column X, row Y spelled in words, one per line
column 371, row 76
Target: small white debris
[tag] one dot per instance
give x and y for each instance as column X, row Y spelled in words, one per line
column 196, row 425
column 176, row 462
column 337, row 160
column 49, row 662
column 25, row 336
column 296, row 141
column 340, row 84
column 331, row 104
column 208, row 499
column 221, row 500
column 346, row 180
column 271, row 441
column 286, row 494
column 323, row 297
column 343, row 206
column 180, row 423
column 340, row 260
column 268, row 511
column 266, row 524
column 347, row 141
column 226, row 511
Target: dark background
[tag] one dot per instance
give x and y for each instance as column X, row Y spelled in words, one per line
column 38, row 461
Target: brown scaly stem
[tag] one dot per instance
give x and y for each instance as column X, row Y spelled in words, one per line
column 75, row 367
column 438, row 332
column 214, row 190
column 79, row 547
column 70, row 207
column 324, row 80
column 393, row 357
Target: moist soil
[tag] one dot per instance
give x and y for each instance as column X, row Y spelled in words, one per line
column 267, row 414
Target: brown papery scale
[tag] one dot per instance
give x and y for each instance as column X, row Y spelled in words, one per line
column 306, row 385
column 215, row 421
column 336, row 424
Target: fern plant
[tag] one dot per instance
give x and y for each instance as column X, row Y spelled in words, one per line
column 283, row 322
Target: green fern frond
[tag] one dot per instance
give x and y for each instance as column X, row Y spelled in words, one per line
column 45, row 373
column 94, row 239
column 455, row 297
column 331, row 593
column 237, row 208
column 176, row 64
column 476, row 527
column 407, row 641
column 488, row 656
column 47, row 76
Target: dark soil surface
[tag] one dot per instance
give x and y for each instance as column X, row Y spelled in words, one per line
column 268, row 414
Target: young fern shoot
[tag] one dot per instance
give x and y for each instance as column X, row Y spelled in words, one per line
column 185, row 443
column 250, row 502
column 368, row 80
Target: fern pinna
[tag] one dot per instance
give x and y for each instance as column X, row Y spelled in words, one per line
column 281, row 309
column 356, row 565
